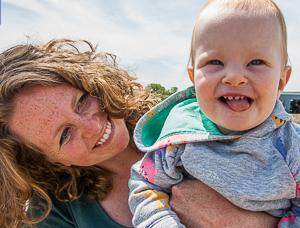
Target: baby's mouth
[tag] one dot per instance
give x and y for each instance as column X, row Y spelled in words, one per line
column 237, row 103
column 106, row 135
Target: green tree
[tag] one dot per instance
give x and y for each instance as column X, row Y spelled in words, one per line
column 160, row 91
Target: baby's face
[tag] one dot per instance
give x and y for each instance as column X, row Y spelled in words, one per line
column 238, row 69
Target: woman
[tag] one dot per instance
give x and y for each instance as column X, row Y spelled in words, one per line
column 66, row 118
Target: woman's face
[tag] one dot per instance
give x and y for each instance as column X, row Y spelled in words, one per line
column 67, row 125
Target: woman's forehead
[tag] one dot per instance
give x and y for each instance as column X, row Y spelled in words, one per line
column 42, row 99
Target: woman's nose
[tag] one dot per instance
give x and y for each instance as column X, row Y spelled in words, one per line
column 89, row 126
column 234, row 77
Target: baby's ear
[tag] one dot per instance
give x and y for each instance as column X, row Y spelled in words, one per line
column 191, row 74
column 285, row 77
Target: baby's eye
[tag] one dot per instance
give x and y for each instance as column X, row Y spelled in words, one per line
column 65, row 136
column 215, row 62
column 256, row 62
column 81, row 102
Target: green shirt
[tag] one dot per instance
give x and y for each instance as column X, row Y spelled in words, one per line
column 82, row 213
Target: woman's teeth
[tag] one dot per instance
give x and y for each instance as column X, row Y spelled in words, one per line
column 106, row 134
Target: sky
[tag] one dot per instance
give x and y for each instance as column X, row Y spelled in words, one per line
column 151, row 38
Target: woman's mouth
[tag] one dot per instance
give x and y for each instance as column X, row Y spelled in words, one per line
column 237, row 103
column 106, row 135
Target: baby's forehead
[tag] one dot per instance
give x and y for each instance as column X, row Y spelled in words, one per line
column 245, row 8
column 237, row 20
column 224, row 32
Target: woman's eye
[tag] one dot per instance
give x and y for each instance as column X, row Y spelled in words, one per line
column 65, row 136
column 256, row 62
column 81, row 102
column 215, row 62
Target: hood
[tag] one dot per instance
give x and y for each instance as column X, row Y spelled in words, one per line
column 176, row 120
column 179, row 120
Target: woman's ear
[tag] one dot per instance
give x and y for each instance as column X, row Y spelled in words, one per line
column 191, row 74
column 285, row 77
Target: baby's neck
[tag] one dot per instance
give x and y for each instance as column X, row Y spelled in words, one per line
column 226, row 131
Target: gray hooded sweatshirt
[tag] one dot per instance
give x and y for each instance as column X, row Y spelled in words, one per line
column 258, row 170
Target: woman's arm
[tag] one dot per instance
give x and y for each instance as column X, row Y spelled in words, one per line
column 197, row 205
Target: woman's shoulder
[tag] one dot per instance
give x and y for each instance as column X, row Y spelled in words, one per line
column 79, row 213
column 60, row 216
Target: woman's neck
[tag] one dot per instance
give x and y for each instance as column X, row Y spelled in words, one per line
column 120, row 165
column 116, row 202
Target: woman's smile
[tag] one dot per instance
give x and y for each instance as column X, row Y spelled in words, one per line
column 106, row 135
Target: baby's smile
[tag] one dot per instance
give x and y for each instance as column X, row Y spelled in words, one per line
column 237, row 103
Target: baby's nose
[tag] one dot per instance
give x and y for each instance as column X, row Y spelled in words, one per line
column 234, row 78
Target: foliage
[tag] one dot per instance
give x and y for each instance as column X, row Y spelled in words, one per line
column 160, row 91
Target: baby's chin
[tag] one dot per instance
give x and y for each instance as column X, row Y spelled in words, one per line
column 237, row 128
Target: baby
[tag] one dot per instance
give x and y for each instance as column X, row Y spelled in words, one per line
column 229, row 130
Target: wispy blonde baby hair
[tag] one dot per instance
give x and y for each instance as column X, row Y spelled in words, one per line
column 251, row 7
column 25, row 173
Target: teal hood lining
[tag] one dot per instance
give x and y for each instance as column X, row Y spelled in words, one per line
column 176, row 117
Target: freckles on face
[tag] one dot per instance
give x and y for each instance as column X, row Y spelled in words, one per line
column 35, row 114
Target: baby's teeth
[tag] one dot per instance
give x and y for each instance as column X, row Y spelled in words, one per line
column 234, row 98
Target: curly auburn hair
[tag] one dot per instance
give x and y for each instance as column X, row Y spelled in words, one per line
column 24, row 170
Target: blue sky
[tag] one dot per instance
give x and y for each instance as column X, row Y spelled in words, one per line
column 150, row 37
